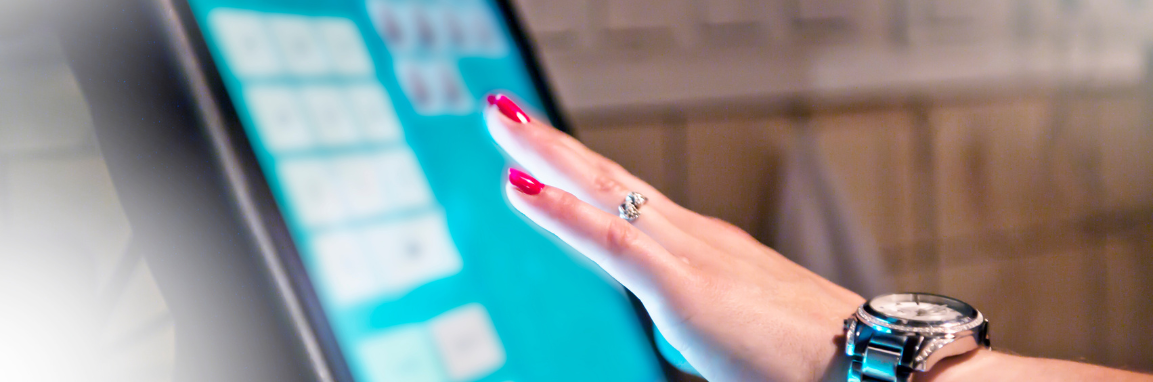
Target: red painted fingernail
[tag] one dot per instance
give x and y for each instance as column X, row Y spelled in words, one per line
column 524, row 182
column 508, row 108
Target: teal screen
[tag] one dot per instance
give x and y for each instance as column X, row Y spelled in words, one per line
column 366, row 120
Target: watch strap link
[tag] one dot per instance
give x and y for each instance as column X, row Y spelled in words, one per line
column 880, row 361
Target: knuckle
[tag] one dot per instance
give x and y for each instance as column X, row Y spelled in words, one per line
column 550, row 144
column 606, row 185
column 566, row 207
column 620, row 236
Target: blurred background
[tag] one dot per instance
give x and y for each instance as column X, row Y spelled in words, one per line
column 998, row 151
column 75, row 303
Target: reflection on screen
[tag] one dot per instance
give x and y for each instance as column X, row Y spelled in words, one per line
column 365, row 118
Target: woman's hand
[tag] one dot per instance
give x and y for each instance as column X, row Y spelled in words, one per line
column 737, row 310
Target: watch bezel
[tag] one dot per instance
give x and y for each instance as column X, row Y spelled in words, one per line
column 973, row 318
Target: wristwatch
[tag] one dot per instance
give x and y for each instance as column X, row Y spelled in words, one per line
column 893, row 336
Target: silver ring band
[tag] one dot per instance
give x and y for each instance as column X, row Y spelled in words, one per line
column 630, row 210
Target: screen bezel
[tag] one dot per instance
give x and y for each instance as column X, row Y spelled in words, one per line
column 257, row 189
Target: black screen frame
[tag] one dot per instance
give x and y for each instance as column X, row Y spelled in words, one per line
column 180, row 20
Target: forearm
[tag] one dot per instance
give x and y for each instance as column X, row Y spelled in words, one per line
column 985, row 365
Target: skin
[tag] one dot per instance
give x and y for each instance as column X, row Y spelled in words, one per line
column 736, row 309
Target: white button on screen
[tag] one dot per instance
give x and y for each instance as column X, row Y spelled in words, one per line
column 313, row 194
column 277, row 114
column 299, row 44
column 467, row 342
column 243, row 39
column 330, row 114
column 405, row 184
column 418, row 79
column 373, row 109
column 394, row 22
column 345, row 46
column 434, row 86
column 431, row 30
column 412, row 252
column 360, row 182
column 453, row 92
column 345, row 268
column 404, row 353
column 483, row 35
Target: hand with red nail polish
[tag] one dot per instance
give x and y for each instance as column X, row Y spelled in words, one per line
column 736, row 309
column 724, row 300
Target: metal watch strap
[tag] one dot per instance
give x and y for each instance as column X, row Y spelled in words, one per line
column 880, row 361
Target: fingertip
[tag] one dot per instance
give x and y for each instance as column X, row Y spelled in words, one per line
column 508, row 108
column 524, row 183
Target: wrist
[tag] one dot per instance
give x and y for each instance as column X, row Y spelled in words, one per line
column 963, row 367
column 959, row 368
column 838, row 369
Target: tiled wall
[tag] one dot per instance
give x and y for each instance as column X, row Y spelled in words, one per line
column 646, row 53
column 646, row 24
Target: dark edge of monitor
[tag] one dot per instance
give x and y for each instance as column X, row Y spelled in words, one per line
column 130, row 61
column 288, row 271
column 528, row 53
column 269, row 218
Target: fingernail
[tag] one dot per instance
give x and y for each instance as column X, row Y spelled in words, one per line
column 524, row 182
column 508, row 108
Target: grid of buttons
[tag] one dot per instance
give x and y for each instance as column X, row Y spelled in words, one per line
column 386, row 260
column 426, row 40
column 371, row 224
column 459, row 345
column 261, row 45
column 301, row 117
column 368, row 215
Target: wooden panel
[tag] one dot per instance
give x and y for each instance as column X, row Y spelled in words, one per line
column 640, row 149
column 554, row 15
column 870, row 156
column 1129, row 265
column 823, row 10
column 732, row 11
column 732, row 168
column 558, row 25
column 992, row 169
column 1126, row 146
column 639, row 14
column 1036, row 301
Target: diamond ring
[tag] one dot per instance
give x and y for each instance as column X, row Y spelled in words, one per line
column 631, row 209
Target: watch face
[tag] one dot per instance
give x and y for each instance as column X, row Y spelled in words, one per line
column 920, row 308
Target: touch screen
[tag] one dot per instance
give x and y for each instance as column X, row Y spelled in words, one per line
column 365, row 118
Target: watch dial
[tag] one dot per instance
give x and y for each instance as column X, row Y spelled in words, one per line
column 917, row 307
column 919, row 311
